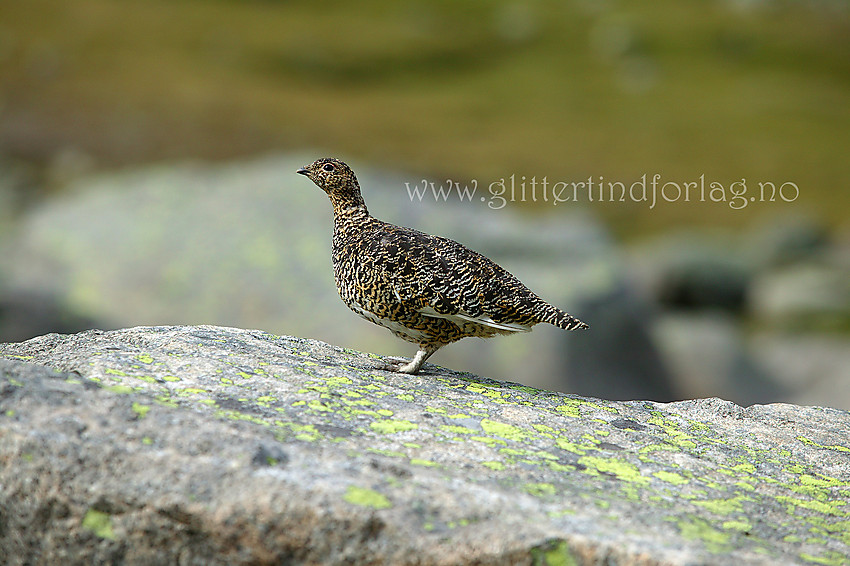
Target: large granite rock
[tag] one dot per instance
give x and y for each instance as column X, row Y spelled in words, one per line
column 207, row 445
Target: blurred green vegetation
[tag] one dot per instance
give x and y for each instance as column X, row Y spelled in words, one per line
column 752, row 89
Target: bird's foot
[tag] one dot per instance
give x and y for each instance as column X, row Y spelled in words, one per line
column 413, row 366
column 400, row 365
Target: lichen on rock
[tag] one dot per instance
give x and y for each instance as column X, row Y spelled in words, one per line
column 220, row 445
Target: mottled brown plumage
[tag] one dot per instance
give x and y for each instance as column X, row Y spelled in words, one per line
column 428, row 290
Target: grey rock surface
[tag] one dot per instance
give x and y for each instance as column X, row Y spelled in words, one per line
column 209, row 445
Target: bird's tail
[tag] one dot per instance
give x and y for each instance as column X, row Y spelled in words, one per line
column 564, row 320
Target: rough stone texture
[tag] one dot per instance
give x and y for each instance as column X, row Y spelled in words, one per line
column 208, row 445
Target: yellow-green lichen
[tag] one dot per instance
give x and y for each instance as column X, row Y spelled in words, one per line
column 540, row 489
column 239, row 416
column 555, row 553
column 317, row 405
column 145, row 358
column 365, row 412
column 141, row 410
column 624, row 471
column 741, row 525
column 816, row 486
column 307, row 433
column 165, row 401
column 830, row 558
column 99, row 523
column 827, row 508
column 580, row 449
column 672, row 429
column 190, row 391
column 698, row 529
column 570, row 408
column 835, row 447
column 724, row 506
column 671, row 477
column 558, row 467
column 503, row 430
column 386, row 452
column 356, row 402
column 746, row 467
column 392, row 426
column 513, row 452
column 337, row 381
column 487, row 391
column 365, row 497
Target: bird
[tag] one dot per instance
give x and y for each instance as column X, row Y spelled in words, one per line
column 428, row 290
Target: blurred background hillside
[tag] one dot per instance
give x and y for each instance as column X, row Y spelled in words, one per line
column 147, row 148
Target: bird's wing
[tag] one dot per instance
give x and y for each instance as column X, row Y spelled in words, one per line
column 461, row 317
column 441, row 278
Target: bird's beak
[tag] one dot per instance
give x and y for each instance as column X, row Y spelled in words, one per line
column 303, row 171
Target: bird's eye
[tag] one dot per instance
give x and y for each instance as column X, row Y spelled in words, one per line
column 328, row 167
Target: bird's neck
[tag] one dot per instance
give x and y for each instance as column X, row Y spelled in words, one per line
column 348, row 222
column 351, row 213
column 348, row 204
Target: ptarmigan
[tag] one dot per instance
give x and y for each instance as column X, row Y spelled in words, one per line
column 425, row 289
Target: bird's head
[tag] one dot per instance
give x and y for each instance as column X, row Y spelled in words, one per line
column 329, row 174
column 337, row 180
